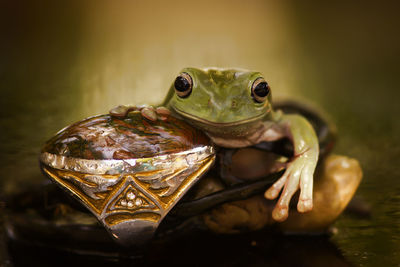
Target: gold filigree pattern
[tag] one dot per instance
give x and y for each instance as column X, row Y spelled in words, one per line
column 124, row 197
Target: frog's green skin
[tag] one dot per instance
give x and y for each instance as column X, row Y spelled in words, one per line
column 221, row 104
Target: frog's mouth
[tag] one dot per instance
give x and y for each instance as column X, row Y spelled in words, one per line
column 219, row 124
column 235, row 129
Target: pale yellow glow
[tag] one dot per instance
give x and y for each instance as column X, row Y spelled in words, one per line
column 131, row 52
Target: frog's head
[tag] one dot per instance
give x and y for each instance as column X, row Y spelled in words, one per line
column 224, row 101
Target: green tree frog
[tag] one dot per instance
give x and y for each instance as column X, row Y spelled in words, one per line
column 233, row 107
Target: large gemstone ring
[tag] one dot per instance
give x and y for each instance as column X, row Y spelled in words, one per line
column 129, row 172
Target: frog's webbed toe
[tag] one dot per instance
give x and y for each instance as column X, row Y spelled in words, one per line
column 305, row 203
column 119, row 111
column 298, row 175
column 154, row 114
column 148, row 112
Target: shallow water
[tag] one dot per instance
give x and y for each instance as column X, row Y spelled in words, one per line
column 61, row 62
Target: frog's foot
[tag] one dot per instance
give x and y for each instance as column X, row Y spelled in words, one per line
column 298, row 175
column 336, row 181
column 121, row 111
column 148, row 112
column 154, row 114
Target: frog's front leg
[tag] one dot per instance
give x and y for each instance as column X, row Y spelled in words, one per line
column 149, row 112
column 300, row 170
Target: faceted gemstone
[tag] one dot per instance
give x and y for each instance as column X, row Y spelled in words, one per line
column 108, row 137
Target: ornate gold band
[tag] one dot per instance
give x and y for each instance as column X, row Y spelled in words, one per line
column 130, row 197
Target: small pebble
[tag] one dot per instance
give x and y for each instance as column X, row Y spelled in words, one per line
column 333, row 230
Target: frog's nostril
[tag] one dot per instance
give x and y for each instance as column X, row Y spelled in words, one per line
column 234, row 104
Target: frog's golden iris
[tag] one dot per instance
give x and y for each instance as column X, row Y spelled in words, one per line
column 183, row 85
column 260, row 90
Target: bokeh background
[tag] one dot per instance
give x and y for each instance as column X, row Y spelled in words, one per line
column 63, row 61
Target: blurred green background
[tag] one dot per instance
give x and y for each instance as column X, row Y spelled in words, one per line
column 63, row 61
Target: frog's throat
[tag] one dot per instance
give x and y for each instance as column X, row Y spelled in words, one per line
column 219, row 124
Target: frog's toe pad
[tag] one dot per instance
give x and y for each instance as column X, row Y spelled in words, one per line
column 119, row 111
column 305, row 205
column 163, row 113
column 149, row 113
column 280, row 213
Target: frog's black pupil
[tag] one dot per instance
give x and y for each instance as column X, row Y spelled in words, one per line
column 182, row 84
column 261, row 89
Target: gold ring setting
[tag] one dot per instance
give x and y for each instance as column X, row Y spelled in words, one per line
column 130, row 197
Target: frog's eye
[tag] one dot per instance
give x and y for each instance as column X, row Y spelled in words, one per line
column 183, row 85
column 260, row 90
